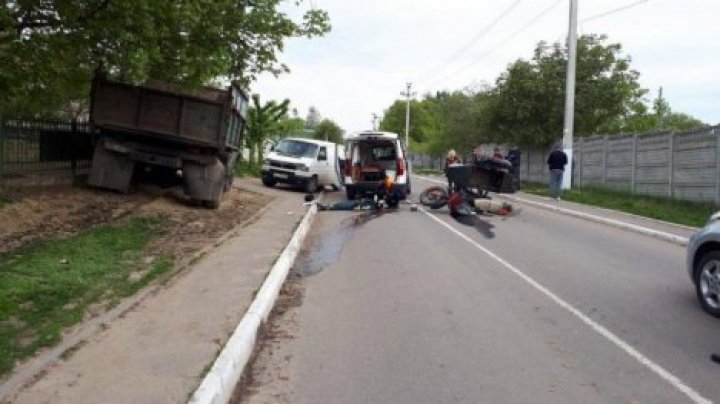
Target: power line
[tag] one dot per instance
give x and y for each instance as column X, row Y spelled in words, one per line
column 440, row 66
column 605, row 14
column 527, row 25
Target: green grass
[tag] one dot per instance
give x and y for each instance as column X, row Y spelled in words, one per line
column 48, row 286
column 3, row 202
column 667, row 209
column 423, row 170
column 245, row 169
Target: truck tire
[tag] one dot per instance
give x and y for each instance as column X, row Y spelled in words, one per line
column 211, row 204
column 350, row 193
column 311, row 185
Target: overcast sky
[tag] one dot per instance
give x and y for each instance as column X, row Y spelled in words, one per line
column 376, row 46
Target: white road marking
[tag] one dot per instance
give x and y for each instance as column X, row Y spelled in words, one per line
column 630, row 350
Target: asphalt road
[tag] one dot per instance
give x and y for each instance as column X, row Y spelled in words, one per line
column 416, row 307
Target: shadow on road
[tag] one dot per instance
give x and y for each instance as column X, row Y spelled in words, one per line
column 483, row 227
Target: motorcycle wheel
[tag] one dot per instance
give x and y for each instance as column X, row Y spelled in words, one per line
column 434, row 197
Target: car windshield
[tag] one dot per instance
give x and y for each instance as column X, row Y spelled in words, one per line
column 296, row 148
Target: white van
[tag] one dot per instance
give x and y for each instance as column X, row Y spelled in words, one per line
column 370, row 156
column 307, row 163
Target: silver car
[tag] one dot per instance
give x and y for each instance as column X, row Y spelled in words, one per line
column 703, row 263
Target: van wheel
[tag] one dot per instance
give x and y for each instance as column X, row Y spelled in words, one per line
column 350, row 193
column 312, row 185
column 268, row 183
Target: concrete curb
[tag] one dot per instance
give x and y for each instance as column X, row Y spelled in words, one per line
column 219, row 384
column 672, row 238
column 683, row 241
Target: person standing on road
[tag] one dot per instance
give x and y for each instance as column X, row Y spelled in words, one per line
column 557, row 160
column 513, row 156
column 452, row 158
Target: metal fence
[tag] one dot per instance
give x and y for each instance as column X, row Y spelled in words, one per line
column 32, row 147
column 684, row 165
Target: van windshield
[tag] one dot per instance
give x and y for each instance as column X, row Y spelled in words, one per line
column 296, row 148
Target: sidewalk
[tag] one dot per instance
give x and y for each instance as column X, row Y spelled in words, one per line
column 158, row 351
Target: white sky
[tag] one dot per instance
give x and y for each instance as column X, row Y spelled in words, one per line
column 376, row 46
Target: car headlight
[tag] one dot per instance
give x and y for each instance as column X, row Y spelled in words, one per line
column 266, row 162
column 303, row 167
column 713, row 218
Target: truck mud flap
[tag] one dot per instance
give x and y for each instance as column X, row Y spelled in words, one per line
column 110, row 170
column 204, row 182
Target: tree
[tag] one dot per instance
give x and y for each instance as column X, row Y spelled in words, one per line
column 288, row 126
column 527, row 104
column 328, row 130
column 50, row 48
column 662, row 118
column 313, row 118
column 262, row 123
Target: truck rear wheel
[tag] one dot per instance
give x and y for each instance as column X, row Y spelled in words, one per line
column 211, row 204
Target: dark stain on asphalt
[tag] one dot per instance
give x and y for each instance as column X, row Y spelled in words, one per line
column 326, row 250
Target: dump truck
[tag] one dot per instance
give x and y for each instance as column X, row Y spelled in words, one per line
column 166, row 134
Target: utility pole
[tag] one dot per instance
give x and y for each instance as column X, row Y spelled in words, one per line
column 570, row 94
column 374, row 120
column 407, row 95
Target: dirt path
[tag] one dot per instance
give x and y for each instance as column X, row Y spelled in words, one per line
column 159, row 349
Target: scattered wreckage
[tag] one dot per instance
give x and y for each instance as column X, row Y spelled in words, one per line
column 468, row 188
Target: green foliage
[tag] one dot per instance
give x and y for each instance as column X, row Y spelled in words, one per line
column 46, row 287
column 247, row 169
column 50, row 48
column 661, row 119
column 667, row 209
column 288, row 126
column 445, row 120
column 328, row 130
column 527, row 104
column 263, row 122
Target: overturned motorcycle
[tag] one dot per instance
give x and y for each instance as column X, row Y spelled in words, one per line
column 463, row 202
column 467, row 195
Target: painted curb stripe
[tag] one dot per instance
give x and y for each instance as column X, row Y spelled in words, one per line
column 219, row 384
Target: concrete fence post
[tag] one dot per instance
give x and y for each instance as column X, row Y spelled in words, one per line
column 671, row 163
column 604, row 160
column 633, row 164
column 581, row 157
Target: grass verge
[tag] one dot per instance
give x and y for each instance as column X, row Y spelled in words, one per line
column 48, row 286
column 424, row 171
column 246, row 169
column 670, row 210
column 3, row 202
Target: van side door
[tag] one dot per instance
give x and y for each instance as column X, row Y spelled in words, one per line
column 323, row 168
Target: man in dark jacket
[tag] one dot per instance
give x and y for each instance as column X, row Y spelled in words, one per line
column 513, row 156
column 556, row 163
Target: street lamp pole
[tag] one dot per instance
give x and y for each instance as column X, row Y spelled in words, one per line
column 570, row 94
column 407, row 95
